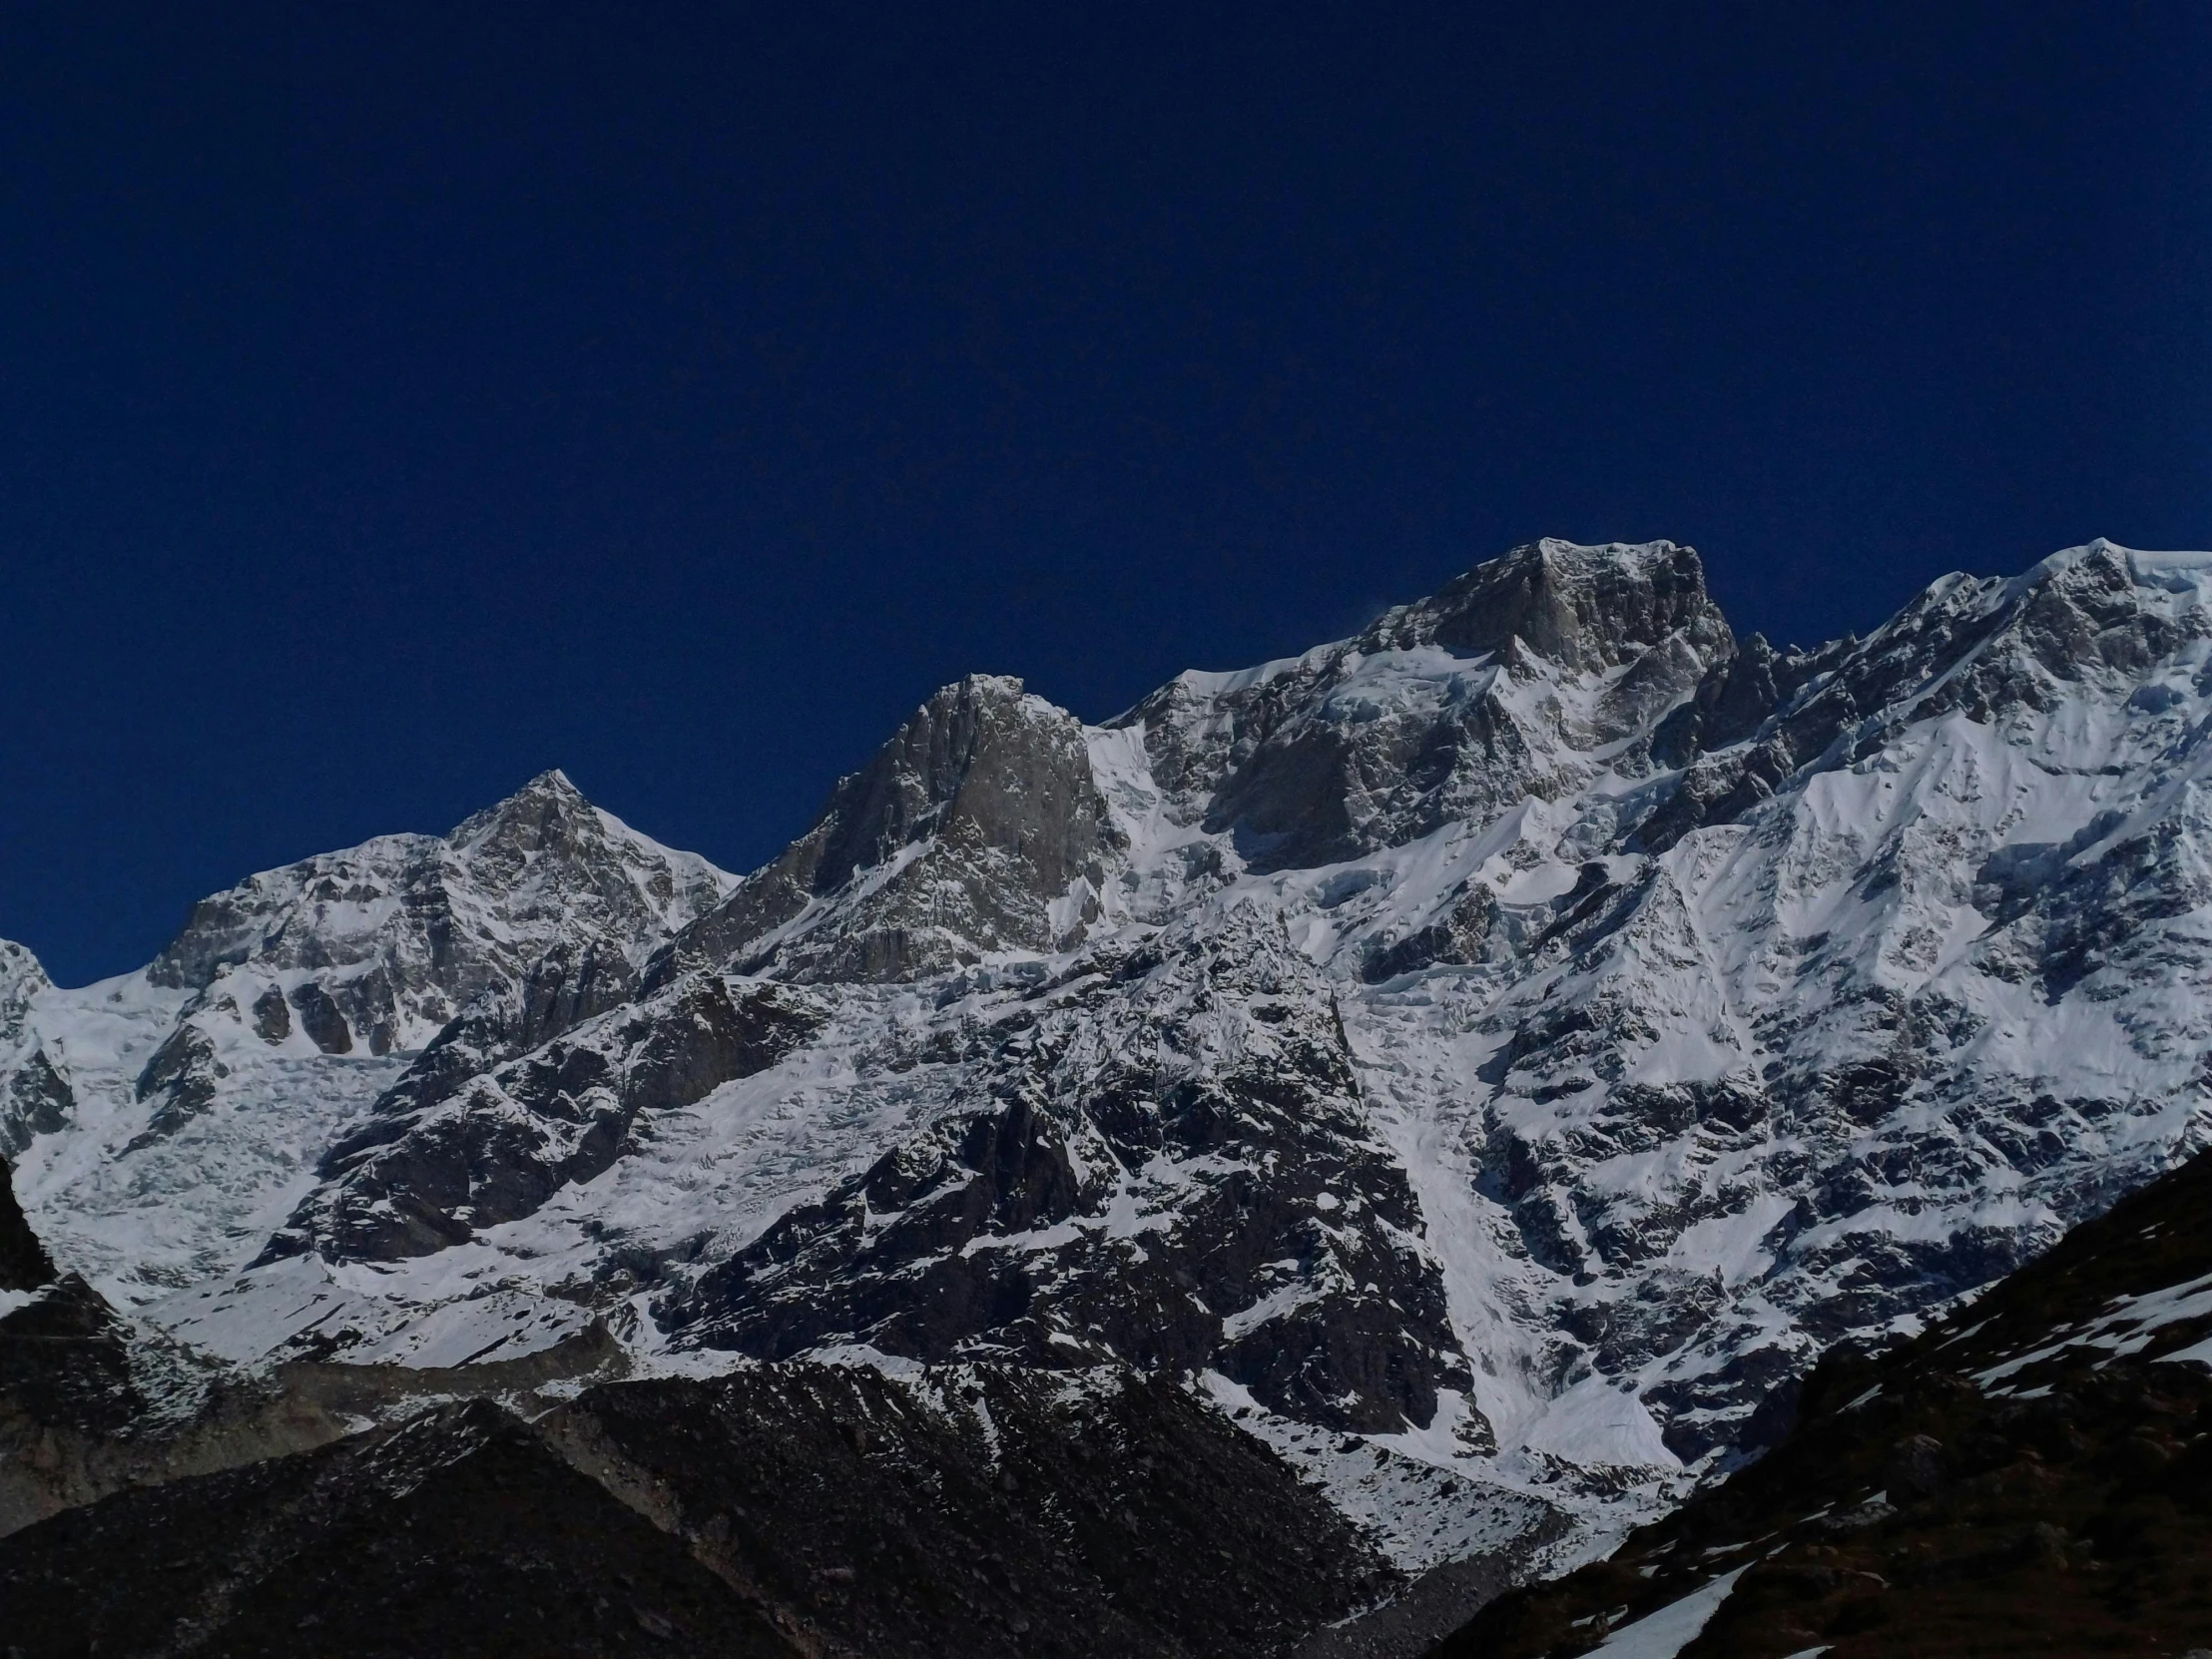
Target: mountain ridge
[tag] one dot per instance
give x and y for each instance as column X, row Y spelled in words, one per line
column 1491, row 1054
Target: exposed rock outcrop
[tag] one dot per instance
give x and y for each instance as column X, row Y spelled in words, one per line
column 1174, row 1168
column 385, row 942
column 1452, row 707
column 453, row 1148
column 35, row 1097
column 23, row 1264
column 959, row 837
column 1495, row 1054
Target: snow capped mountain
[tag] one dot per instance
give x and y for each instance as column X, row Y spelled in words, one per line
column 166, row 1120
column 395, row 936
column 1492, row 1056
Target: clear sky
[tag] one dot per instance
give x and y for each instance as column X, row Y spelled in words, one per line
column 400, row 401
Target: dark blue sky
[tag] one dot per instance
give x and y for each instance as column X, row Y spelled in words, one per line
column 398, row 403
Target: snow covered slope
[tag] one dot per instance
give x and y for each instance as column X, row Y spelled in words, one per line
column 1492, row 1055
column 2030, row 1474
column 166, row 1121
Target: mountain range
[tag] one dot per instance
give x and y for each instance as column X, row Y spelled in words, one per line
column 1469, row 1073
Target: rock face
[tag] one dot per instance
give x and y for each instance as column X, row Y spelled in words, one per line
column 398, row 934
column 219, row 1076
column 2031, row 1474
column 35, row 1097
column 451, row 1148
column 1492, row 1057
column 964, row 834
column 1167, row 1161
column 23, row 1264
column 1429, row 717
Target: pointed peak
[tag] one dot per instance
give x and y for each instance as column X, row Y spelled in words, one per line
column 973, row 697
column 544, row 800
column 553, row 782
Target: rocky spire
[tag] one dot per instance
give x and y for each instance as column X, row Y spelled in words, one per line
column 985, row 791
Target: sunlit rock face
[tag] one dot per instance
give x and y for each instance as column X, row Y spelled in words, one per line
column 1508, row 682
column 1489, row 1056
column 977, row 828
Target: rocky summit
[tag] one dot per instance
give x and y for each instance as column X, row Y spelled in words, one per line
column 1467, row 1074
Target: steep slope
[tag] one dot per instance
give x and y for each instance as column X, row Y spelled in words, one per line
column 35, row 1099
column 2033, row 1473
column 1871, row 1043
column 976, row 828
column 1526, row 676
column 90, row 1404
column 451, row 1148
column 23, row 1264
column 1492, row 1056
column 397, row 934
column 1165, row 1161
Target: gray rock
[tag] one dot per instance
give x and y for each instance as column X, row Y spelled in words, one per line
column 272, row 1019
column 23, row 1264
column 320, row 1019
column 402, row 931
column 984, row 805
column 180, row 1080
column 35, row 1099
column 1283, row 1253
column 35, row 1096
column 460, row 1144
column 1301, row 772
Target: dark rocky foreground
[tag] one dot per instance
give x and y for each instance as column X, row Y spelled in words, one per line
column 458, row 1534
column 786, row 1509
column 2030, row 1475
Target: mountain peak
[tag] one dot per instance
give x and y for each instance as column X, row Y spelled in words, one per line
column 1585, row 557
column 980, row 812
column 1582, row 606
column 535, row 808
